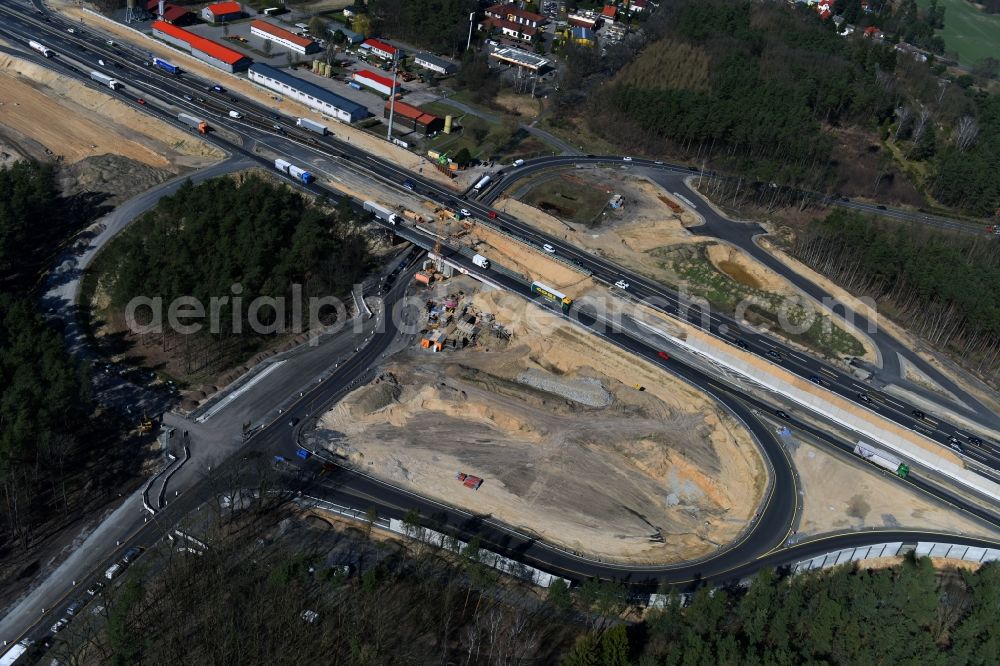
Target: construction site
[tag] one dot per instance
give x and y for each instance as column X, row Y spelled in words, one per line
column 502, row 409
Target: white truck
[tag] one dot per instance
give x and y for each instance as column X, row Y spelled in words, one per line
column 113, row 571
column 883, row 459
column 481, row 185
column 312, row 126
column 481, row 261
column 41, row 48
column 105, row 80
column 381, row 212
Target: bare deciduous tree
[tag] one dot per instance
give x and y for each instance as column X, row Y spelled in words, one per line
column 966, row 132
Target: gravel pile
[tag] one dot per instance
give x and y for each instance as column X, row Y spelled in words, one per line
column 586, row 390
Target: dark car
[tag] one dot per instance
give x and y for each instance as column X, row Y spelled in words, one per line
column 409, row 184
column 816, row 379
column 216, row 88
column 917, row 414
column 975, row 441
column 864, row 397
column 782, row 414
column 95, row 589
column 742, row 344
column 881, row 207
column 293, row 422
column 774, row 355
column 128, row 557
column 75, row 607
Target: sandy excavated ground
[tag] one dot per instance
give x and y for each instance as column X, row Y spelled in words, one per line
column 654, row 476
column 76, row 122
column 368, row 142
column 650, row 222
column 840, row 496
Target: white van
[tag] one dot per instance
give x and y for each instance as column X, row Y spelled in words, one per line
column 235, row 114
column 113, row 571
column 518, row 163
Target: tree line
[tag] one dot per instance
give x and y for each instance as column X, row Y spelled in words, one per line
column 271, row 590
column 942, row 286
column 45, row 409
column 222, row 239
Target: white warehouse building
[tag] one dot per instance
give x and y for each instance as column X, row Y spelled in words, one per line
column 319, row 99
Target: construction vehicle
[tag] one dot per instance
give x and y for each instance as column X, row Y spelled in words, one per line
column 146, row 424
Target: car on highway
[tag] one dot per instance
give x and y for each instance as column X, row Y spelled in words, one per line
column 188, row 98
column 626, row 159
column 140, row 101
column 465, row 212
column 816, row 379
column 621, row 284
column 781, row 414
column 664, row 355
column 216, row 88
column 658, row 162
column 880, row 207
column 95, row 589
column 865, row 398
column 75, row 607
column 954, row 444
column 742, row 344
column 409, row 184
column 918, row 414
column 60, row 625
column 975, row 441
column 548, row 248
column 774, row 355
column 491, row 214
column 128, row 557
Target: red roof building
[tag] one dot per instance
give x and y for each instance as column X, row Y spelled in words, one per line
column 381, row 49
column 515, row 14
column 410, row 116
column 609, row 12
column 222, row 11
column 200, row 47
column 171, row 13
column 373, row 81
column 285, row 38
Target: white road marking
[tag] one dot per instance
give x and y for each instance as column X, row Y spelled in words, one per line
column 225, row 402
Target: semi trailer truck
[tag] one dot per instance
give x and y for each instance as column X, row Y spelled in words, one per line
column 883, row 459
column 197, row 123
column 285, row 166
column 41, row 48
column 312, row 126
column 105, row 80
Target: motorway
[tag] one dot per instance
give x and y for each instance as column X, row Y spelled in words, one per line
column 761, row 545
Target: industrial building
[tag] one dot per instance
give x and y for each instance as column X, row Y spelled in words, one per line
column 580, row 36
column 170, row 13
column 374, row 81
column 381, row 49
column 413, row 118
column 313, row 96
column 283, row 38
column 221, row 12
column 201, row 48
column 435, row 64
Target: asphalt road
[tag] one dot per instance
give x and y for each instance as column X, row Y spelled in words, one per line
column 754, row 550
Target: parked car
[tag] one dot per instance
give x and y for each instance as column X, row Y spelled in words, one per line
column 75, row 607
column 60, row 625
column 128, row 557
column 95, row 589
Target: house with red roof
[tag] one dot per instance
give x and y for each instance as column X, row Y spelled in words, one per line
column 413, row 117
column 381, row 49
column 171, row 13
column 221, row 12
column 203, row 49
column 609, row 13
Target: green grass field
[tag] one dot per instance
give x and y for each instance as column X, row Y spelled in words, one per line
column 968, row 33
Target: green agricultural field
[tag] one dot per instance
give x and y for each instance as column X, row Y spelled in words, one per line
column 968, row 33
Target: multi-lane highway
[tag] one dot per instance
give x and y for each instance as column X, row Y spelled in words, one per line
column 761, row 545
